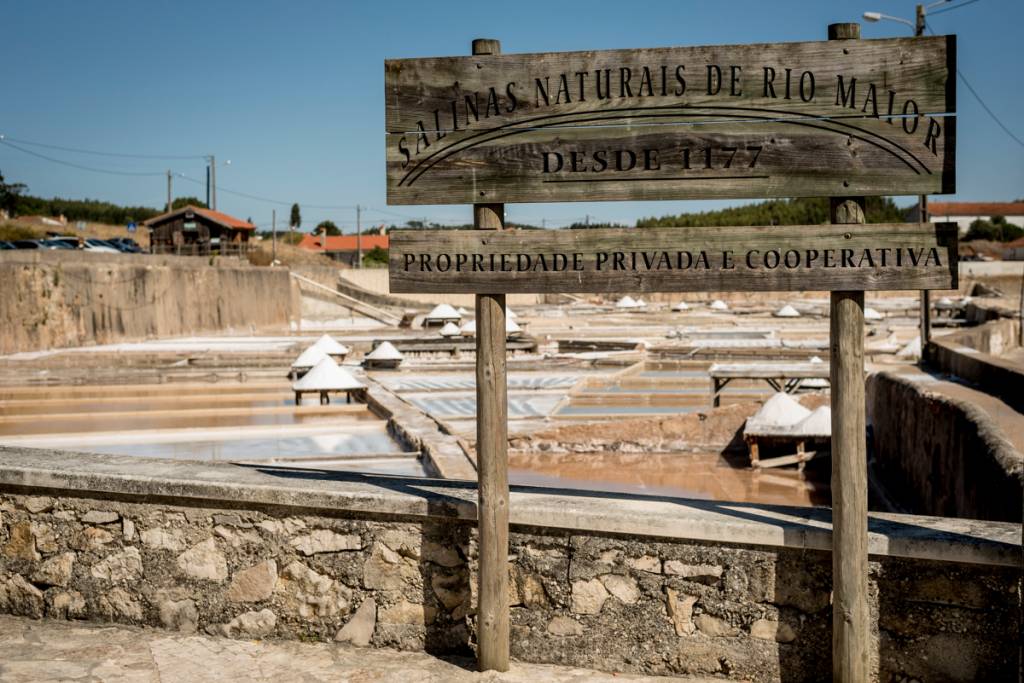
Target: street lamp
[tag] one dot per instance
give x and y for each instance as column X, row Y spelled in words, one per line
column 211, row 180
column 917, row 25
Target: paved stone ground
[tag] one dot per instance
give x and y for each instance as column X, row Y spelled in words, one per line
column 44, row 651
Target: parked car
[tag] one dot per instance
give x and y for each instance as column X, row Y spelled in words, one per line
column 126, row 245
column 98, row 245
column 26, row 244
column 57, row 243
column 4, row 244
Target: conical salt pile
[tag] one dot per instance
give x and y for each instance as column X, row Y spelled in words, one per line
column 509, row 313
column 328, row 345
column 450, row 330
column 640, row 303
column 681, row 306
column 871, row 314
column 468, row 329
column 912, row 349
column 511, row 327
column 816, row 359
column 718, row 305
column 626, row 302
column 310, row 357
column 327, row 376
column 385, row 351
column 441, row 313
column 776, row 416
column 944, row 301
column 818, row 423
column 462, row 311
column 787, row 311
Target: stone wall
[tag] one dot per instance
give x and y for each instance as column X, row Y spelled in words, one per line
column 619, row 584
column 944, row 456
column 53, row 299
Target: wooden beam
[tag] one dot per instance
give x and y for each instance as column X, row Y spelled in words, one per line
column 851, row 633
column 748, row 258
column 492, row 452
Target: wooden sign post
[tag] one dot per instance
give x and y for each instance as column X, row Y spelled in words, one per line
column 843, row 118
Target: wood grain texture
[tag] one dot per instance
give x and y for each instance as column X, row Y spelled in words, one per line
column 492, row 451
column 472, row 129
column 851, row 636
column 669, row 259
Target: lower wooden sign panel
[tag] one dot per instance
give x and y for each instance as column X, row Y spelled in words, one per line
column 761, row 258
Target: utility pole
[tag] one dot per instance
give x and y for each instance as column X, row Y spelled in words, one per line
column 273, row 232
column 359, row 237
column 922, row 216
column 170, row 201
column 213, row 183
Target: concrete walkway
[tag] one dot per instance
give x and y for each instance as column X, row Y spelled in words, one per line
column 1009, row 421
column 43, row 651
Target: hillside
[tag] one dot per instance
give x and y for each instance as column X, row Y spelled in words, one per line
column 802, row 211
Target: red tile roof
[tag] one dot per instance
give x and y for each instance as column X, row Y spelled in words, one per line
column 215, row 216
column 343, row 242
column 976, row 208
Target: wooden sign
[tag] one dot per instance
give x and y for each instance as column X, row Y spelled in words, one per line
column 770, row 258
column 865, row 117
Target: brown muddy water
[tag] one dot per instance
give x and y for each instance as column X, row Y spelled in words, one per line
column 707, row 476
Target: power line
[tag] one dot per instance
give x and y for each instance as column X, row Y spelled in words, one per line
column 79, row 150
column 221, row 188
column 80, row 166
column 947, row 9
column 974, row 92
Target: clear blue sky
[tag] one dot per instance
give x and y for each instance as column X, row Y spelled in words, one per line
column 292, row 93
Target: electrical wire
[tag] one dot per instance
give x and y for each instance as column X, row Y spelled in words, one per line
column 257, row 198
column 947, row 9
column 79, row 150
column 81, row 166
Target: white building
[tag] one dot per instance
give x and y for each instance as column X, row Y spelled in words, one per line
column 965, row 213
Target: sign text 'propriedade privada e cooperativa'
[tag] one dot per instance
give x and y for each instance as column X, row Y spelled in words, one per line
column 866, row 117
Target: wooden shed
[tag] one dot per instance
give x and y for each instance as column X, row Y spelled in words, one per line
column 192, row 230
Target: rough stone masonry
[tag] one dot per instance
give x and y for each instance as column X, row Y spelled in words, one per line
column 581, row 598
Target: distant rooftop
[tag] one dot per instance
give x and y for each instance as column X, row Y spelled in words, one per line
column 216, row 216
column 343, row 242
column 976, row 208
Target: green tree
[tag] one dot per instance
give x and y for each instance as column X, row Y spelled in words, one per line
column 995, row 229
column 296, row 218
column 9, row 195
column 376, row 257
column 328, row 228
column 182, row 202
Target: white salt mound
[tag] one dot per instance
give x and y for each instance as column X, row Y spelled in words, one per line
column 443, row 312
column 511, row 327
column 681, row 306
column 816, row 359
column 310, row 357
column 787, row 311
column 778, row 414
column 468, row 329
column 626, row 302
column 327, row 376
column 640, row 303
column 912, row 349
column 462, row 311
column 509, row 313
column 328, row 345
column 385, row 351
column 718, row 305
column 450, row 330
column 871, row 314
column 818, row 423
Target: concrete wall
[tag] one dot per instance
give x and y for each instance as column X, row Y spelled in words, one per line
column 973, row 355
column 376, row 280
column 53, row 299
column 941, row 456
column 635, row 584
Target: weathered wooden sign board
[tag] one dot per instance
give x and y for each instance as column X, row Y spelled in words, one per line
column 843, row 118
column 767, row 258
column 869, row 117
